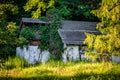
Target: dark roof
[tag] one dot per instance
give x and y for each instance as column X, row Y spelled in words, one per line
column 78, row 25
column 73, row 32
column 32, row 20
column 29, row 21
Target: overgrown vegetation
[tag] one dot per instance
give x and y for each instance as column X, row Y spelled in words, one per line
column 53, row 10
column 8, row 39
column 58, row 70
column 28, row 33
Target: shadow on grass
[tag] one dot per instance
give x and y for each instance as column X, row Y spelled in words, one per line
column 76, row 77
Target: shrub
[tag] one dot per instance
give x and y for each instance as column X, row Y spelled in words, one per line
column 28, row 33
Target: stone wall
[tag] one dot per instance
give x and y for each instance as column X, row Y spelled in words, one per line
column 32, row 54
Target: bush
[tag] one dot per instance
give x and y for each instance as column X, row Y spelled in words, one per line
column 28, row 33
column 15, row 62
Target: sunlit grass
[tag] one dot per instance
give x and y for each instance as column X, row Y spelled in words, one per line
column 70, row 70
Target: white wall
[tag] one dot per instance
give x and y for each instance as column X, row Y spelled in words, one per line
column 72, row 52
column 116, row 59
column 33, row 54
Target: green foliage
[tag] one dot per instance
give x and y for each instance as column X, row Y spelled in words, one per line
column 69, row 9
column 85, row 7
column 63, row 9
column 78, row 9
column 44, row 37
column 85, row 10
column 8, row 29
column 8, row 38
column 109, row 41
column 5, row 8
column 28, row 33
column 50, row 38
column 7, row 32
column 38, row 6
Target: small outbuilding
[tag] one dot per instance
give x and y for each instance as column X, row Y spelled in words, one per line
column 32, row 53
column 29, row 23
column 72, row 34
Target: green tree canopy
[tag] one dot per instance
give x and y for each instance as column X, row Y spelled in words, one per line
column 38, row 6
column 6, row 7
column 109, row 41
column 8, row 29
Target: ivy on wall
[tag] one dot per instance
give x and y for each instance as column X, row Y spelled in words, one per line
column 48, row 34
column 50, row 38
column 28, row 33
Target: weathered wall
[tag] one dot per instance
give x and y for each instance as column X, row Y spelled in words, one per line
column 33, row 54
column 116, row 59
column 71, row 53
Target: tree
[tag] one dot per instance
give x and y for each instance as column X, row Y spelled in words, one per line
column 38, row 6
column 78, row 9
column 108, row 43
column 8, row 29
column 6, row 7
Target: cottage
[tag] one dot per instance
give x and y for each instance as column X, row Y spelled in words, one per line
column 32, row 54
column 72, row 34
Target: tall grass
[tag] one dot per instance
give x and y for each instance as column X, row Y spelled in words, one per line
column 57, row 70
column 14, row 62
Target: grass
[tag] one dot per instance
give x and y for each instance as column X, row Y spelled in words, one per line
column 57, row 70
